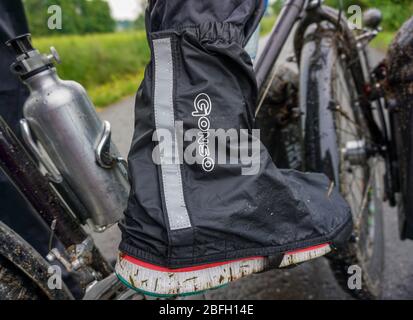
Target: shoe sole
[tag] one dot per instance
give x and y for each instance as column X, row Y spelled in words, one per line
column 162, row 282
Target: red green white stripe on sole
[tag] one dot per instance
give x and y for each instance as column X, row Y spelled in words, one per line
column 303, row 255
column 163, row 282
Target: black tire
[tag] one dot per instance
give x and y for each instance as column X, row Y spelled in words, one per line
column 324, row 54
column 14, row 285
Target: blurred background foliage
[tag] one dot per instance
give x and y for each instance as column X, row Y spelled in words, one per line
column 395, row 12
column 78, row 16
column 110, row 65
column 108, row 56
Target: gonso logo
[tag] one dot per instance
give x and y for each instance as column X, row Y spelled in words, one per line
column 203, row 108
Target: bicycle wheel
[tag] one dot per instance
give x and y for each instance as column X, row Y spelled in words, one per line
column 14, row 285
column 336, row 143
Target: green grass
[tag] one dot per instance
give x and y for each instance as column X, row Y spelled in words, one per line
column 266, row 24
column 109, row 66
column 111, row 92
column 383, row 40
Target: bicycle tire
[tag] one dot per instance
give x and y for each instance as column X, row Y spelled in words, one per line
column 14, row 285
column 322, row 63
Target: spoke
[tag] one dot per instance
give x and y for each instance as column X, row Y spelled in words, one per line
column 347, row 117
column 351, row 134
column 344, row 93
column 348, row 129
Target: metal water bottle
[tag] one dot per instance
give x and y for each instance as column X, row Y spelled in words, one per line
column 64, row 132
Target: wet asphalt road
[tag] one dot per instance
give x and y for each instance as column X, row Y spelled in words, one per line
column 313, row 280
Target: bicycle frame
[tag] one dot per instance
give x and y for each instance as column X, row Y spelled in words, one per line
column 289, row 15
column 305, row 13
column 312, row 12
column 23, row 171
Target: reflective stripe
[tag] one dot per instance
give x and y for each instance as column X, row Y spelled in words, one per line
column 164, row 119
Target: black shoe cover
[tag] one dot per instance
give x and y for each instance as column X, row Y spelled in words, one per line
column 183, row 214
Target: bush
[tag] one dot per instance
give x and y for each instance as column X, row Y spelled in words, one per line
column 99, row 59
column 267, row 23
column 78, row 16
column 395, row 12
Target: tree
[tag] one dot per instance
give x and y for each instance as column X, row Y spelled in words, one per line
column 99, row 17
column 277, row 6
column 395, row 12
column 139, row 23
column 78, row 16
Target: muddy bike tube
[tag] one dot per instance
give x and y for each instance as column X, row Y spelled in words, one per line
column 400, row 74
column 21, row 169
column 29, row 263
column 334, row 124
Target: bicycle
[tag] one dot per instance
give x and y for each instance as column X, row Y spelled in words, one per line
column 339, row 126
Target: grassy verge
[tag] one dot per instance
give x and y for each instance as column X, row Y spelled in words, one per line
column 111, row 92
column 383, row 41
column 109, row 66
column 266, row 24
